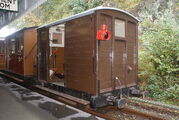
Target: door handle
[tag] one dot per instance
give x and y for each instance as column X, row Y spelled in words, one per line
column 129, row 68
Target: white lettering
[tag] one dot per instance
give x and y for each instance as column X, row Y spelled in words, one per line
column 9, row 5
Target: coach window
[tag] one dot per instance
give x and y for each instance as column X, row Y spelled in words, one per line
column 57, row 36
column 21, row 46
column 18, row 45
column 13, row 46
column 119, row 28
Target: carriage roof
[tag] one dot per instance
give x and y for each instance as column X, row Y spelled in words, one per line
column 85, row 13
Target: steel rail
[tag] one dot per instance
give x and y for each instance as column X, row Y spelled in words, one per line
column 139, row 113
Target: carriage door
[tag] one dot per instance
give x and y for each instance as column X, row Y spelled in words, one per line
column 43, row 58
column 105, row 56
column 132, row 54
column 119, row 55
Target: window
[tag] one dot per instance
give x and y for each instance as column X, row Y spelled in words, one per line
column 57, row 38
column 13, row 46
column 119, row 28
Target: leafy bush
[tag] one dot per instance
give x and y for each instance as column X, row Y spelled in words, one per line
column 171, row 93
column 78, row 6
column 159, row 58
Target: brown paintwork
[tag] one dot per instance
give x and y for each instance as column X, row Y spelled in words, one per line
column 119, row 53
column 79, row 71
column 2, row 55
column 105, row 55
column 59, row 60
column 30, row 50
column 92, row 65
column 23, row 60
column 131, row 54
column 43, row 55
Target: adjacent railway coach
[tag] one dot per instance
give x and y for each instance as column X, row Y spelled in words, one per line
column 2, row 55
column 21, row 53
column 91, row 55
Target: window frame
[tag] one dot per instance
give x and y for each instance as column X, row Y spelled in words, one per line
column 125, row 28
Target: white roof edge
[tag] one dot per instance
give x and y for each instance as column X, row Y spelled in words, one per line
column 85, row 13
column 117, row 9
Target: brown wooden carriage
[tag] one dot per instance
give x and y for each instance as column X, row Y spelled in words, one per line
column 2, row 55
column 21, row 52
column 90, row 64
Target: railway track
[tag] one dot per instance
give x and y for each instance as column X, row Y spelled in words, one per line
column 129, row 114
column 168, row 112
column 165, row 107
column 111, row 113
column 108, row 110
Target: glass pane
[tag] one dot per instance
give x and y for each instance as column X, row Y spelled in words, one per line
column 119, row 28
column 57, row 38
column 13, row 46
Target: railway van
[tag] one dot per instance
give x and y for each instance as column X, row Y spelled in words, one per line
column 21, row 52
column 91, row 55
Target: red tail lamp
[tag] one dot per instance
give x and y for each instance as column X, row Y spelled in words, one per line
column 103, row 33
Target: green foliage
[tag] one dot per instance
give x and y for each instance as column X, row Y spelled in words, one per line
column 28, row 20
column 127, row 4
column 160, row 60
column 52, row 10
column 78, row 6
column 171, row 93
column 146, row 70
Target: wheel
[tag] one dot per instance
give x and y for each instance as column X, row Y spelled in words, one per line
column 121, row 103
column 98, row 101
